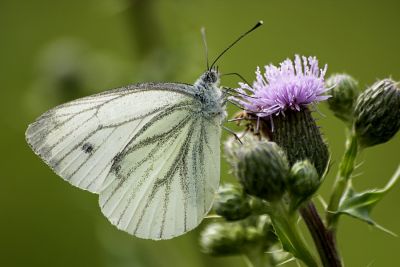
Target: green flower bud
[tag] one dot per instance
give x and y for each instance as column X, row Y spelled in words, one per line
column 221, row 239
column 299, row 136
column 344, row 94
column 303, row 181
column 229, row 238
column 232, row 148
column 262, row 169
column 377, row 113
column 259, row 230
column 231, row 203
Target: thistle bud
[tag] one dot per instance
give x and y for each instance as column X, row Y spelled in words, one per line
column 259, row 230
column 377, row 113
column 229, row 238
column 299, row 136
column 303, row 181
column 231, row 203
column 233, row 147
column 262, row 169
column 344, row 94
column 221, row 239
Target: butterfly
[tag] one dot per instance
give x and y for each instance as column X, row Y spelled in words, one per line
column 151, row 151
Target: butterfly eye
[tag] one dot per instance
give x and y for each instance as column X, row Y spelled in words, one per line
column 211, row 76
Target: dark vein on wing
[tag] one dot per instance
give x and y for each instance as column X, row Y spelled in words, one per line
column 166, row 179
column 201, row 159
column 150, row 140
column 101, row 127
column 95, row 164
column 174, row 133
column 61, row 139
column 88, row 158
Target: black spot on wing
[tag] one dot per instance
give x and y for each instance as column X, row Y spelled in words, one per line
column 87, row 148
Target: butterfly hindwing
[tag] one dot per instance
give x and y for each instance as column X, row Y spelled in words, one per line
column 168, row 191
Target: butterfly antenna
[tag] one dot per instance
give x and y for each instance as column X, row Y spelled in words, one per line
column 238, row 75
column 203, row 35
column 237, row 40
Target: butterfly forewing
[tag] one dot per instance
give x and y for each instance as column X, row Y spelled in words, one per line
column 76, row 138
column 145, row 149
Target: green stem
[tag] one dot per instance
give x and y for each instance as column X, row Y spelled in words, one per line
column 288, row 232
column 340, row 187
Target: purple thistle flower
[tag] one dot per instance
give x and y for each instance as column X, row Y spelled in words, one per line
column 293, row 85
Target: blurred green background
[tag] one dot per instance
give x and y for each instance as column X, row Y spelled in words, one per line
column 53, row 51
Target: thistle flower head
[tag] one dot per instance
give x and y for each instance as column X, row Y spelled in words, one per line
column 292, row 85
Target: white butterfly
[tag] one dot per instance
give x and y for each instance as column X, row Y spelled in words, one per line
column 151, row 151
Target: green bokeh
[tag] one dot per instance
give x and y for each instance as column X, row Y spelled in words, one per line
column 103, row 44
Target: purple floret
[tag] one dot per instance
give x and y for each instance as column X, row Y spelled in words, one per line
column 293, row 85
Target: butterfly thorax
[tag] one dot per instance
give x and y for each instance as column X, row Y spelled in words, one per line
column 208, row 92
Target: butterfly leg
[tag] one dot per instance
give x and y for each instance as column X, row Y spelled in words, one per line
column 225, row 94
column 233, row 133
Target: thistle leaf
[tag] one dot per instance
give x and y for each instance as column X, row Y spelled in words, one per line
column 360, row 204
